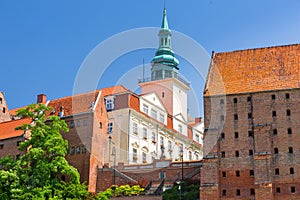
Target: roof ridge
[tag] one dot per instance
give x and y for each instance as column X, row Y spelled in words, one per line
column 258, row 48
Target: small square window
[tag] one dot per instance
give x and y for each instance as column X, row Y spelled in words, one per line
column 222, row 136
column 237, row 154
column 273, row 97
column 223, row 174
column 236, row 117
column 292, row 170
column 235, row 100
column 249, row 115
column 222, row 118
column 251, row 172
column 293, row 189
column 288, row 112
column 238, row 192
column 287, row 96
column 223, row 154
column 85, row 122
column 71, row 125
column 236, row 135
column 249, row 99
column 273, row 113
column 290, row 149
column 250, row 152
column 223, row 192
column 252, row 191
column 289, row 130
column 237, row 173
column 274, row 131
column 277, row 189
column 277, row 171
column 276, row 151
column 250, row 134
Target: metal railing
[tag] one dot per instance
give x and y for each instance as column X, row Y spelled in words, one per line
column 176, row 76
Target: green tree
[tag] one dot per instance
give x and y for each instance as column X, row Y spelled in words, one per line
column 42, row 172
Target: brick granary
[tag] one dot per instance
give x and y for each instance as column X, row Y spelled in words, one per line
column 252, row 142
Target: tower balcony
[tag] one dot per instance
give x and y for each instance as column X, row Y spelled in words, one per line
column 176, row 76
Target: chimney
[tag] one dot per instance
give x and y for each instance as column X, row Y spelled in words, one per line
column 198, row 119
column 61, row 111
column 41, row 98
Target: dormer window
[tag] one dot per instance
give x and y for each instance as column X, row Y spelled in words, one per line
column 109, row 103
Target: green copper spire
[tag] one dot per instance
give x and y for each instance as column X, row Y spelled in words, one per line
column 164, row 64
column 164, row 24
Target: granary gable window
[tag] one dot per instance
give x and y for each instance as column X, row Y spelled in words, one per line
column 109, row 103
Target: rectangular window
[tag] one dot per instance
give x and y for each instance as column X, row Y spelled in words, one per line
column 235, row 100
column 223, row 174
column 153, row 113
column 290, row 149
column 72, row 152
column 238, row 192
column 179, row 128
column 162, row 175
column 78, row 123
column 289, row 130
column 236, row 135
column 1, row 146
column 145, row 134
column 223, row 154
column 287, row 96
column 273, row 97
column 236, row 117
column 237, row 173
column 250, row 134
column 222, row 118
column 83, row 149
column 293, row 189
column 276, row 151
column 288, row 112
column 250, row 152
column 277, row 171
column 273, row 113
column 249, row 115
column 237, row 154
column 18, row 143
column 85, row 122
column 145, row 109
column 292, row 170
column 110, row 127
column 78, row 150
column 153, row 137
column 169, row 145
column 221, row 101
column 134, row 155
column 275, row 132
column 251, row 172
column 222, row 136
column 252, row 191
column 277, row 189
column 249, row 99
column 197, row 138
column 161, row 118
column 71, row 125
column 144, row 157
column 109, row 103
column 223, row 192
column 161, row 142
column 135, row 128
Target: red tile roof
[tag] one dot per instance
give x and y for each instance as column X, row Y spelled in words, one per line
column 7, row 129
column 253, row 70
column 82, row 102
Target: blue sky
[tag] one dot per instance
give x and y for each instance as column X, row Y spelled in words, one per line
column 44, row 43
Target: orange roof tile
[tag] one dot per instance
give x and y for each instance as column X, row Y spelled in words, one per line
column 81, row 103
column 7, row 129
column 253, row 70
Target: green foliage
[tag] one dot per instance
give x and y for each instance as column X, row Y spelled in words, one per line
column 123, row 190
column 37, row 174
column 191, row 192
